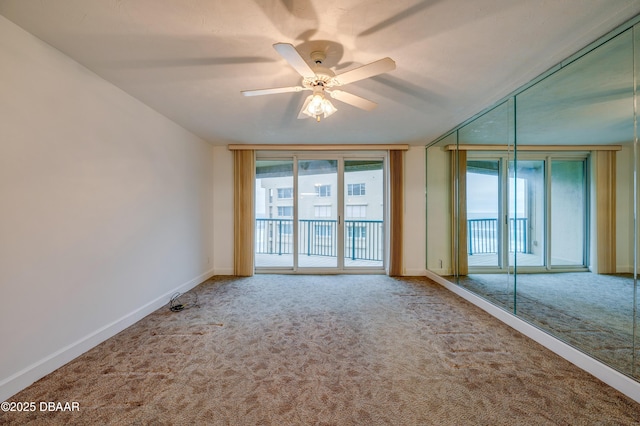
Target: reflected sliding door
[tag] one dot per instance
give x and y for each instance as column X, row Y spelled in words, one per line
column 527, row 214
column 568, row 215
column 484, row 229
column 539, row 224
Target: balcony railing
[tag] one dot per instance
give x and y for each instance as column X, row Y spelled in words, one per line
column 364, row 239
column 482, row 236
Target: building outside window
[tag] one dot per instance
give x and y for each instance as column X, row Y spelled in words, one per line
column 356, row 189
column 323, row 190
column 322, row 211
column 356, row 211
column 285, row 193
column 285, row 211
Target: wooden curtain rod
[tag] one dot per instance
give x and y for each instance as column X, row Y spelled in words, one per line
column 534, row 147
column 350, row 147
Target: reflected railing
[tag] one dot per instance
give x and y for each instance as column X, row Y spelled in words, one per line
column 482, row 236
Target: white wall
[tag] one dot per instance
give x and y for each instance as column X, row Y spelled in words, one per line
column 223, row 211
column 438, row 214
column 106, row 209
column 414, row 243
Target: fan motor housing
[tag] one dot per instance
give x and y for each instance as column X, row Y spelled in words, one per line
column 324, row 77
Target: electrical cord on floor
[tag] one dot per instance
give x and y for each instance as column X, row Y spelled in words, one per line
column 181, row 301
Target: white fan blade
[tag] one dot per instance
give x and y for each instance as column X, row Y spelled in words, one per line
column 260, row 92
column 374, row 68
column 353, row 100
column 304, row 106
column 291, row 55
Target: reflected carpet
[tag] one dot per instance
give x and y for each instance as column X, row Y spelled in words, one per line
column 592, row 312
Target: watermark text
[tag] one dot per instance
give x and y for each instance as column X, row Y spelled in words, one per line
column 42, row 406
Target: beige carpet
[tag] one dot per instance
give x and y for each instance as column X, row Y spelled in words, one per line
column 341, row 350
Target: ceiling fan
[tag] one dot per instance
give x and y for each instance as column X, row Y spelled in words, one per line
column 322, row 81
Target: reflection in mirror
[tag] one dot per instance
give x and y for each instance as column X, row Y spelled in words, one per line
column 568, row 194
column 484, row 229
column 588, row 102
column 491, row 128
column 527, row 213
column 489, row 237
column 550, row 232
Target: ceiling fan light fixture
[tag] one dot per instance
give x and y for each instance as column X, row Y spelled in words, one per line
column 319, row 106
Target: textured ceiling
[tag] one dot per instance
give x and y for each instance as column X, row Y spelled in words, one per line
column 189, row 59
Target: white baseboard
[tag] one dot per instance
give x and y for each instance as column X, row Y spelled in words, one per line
column 440, row 272
column 223, row 271
column 608, row 375
column 414, row 272
column 24, row 378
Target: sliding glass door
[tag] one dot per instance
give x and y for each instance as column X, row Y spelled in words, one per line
column 274, row 207
column 364, row 209
column 320, row 214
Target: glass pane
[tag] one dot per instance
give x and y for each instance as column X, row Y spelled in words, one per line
column 483, row 203
column 317, row 213
column 363, row 213
column 588, row 101
column 274, row 214
column 527, row 213
column 568, row 212
column 481, row 243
